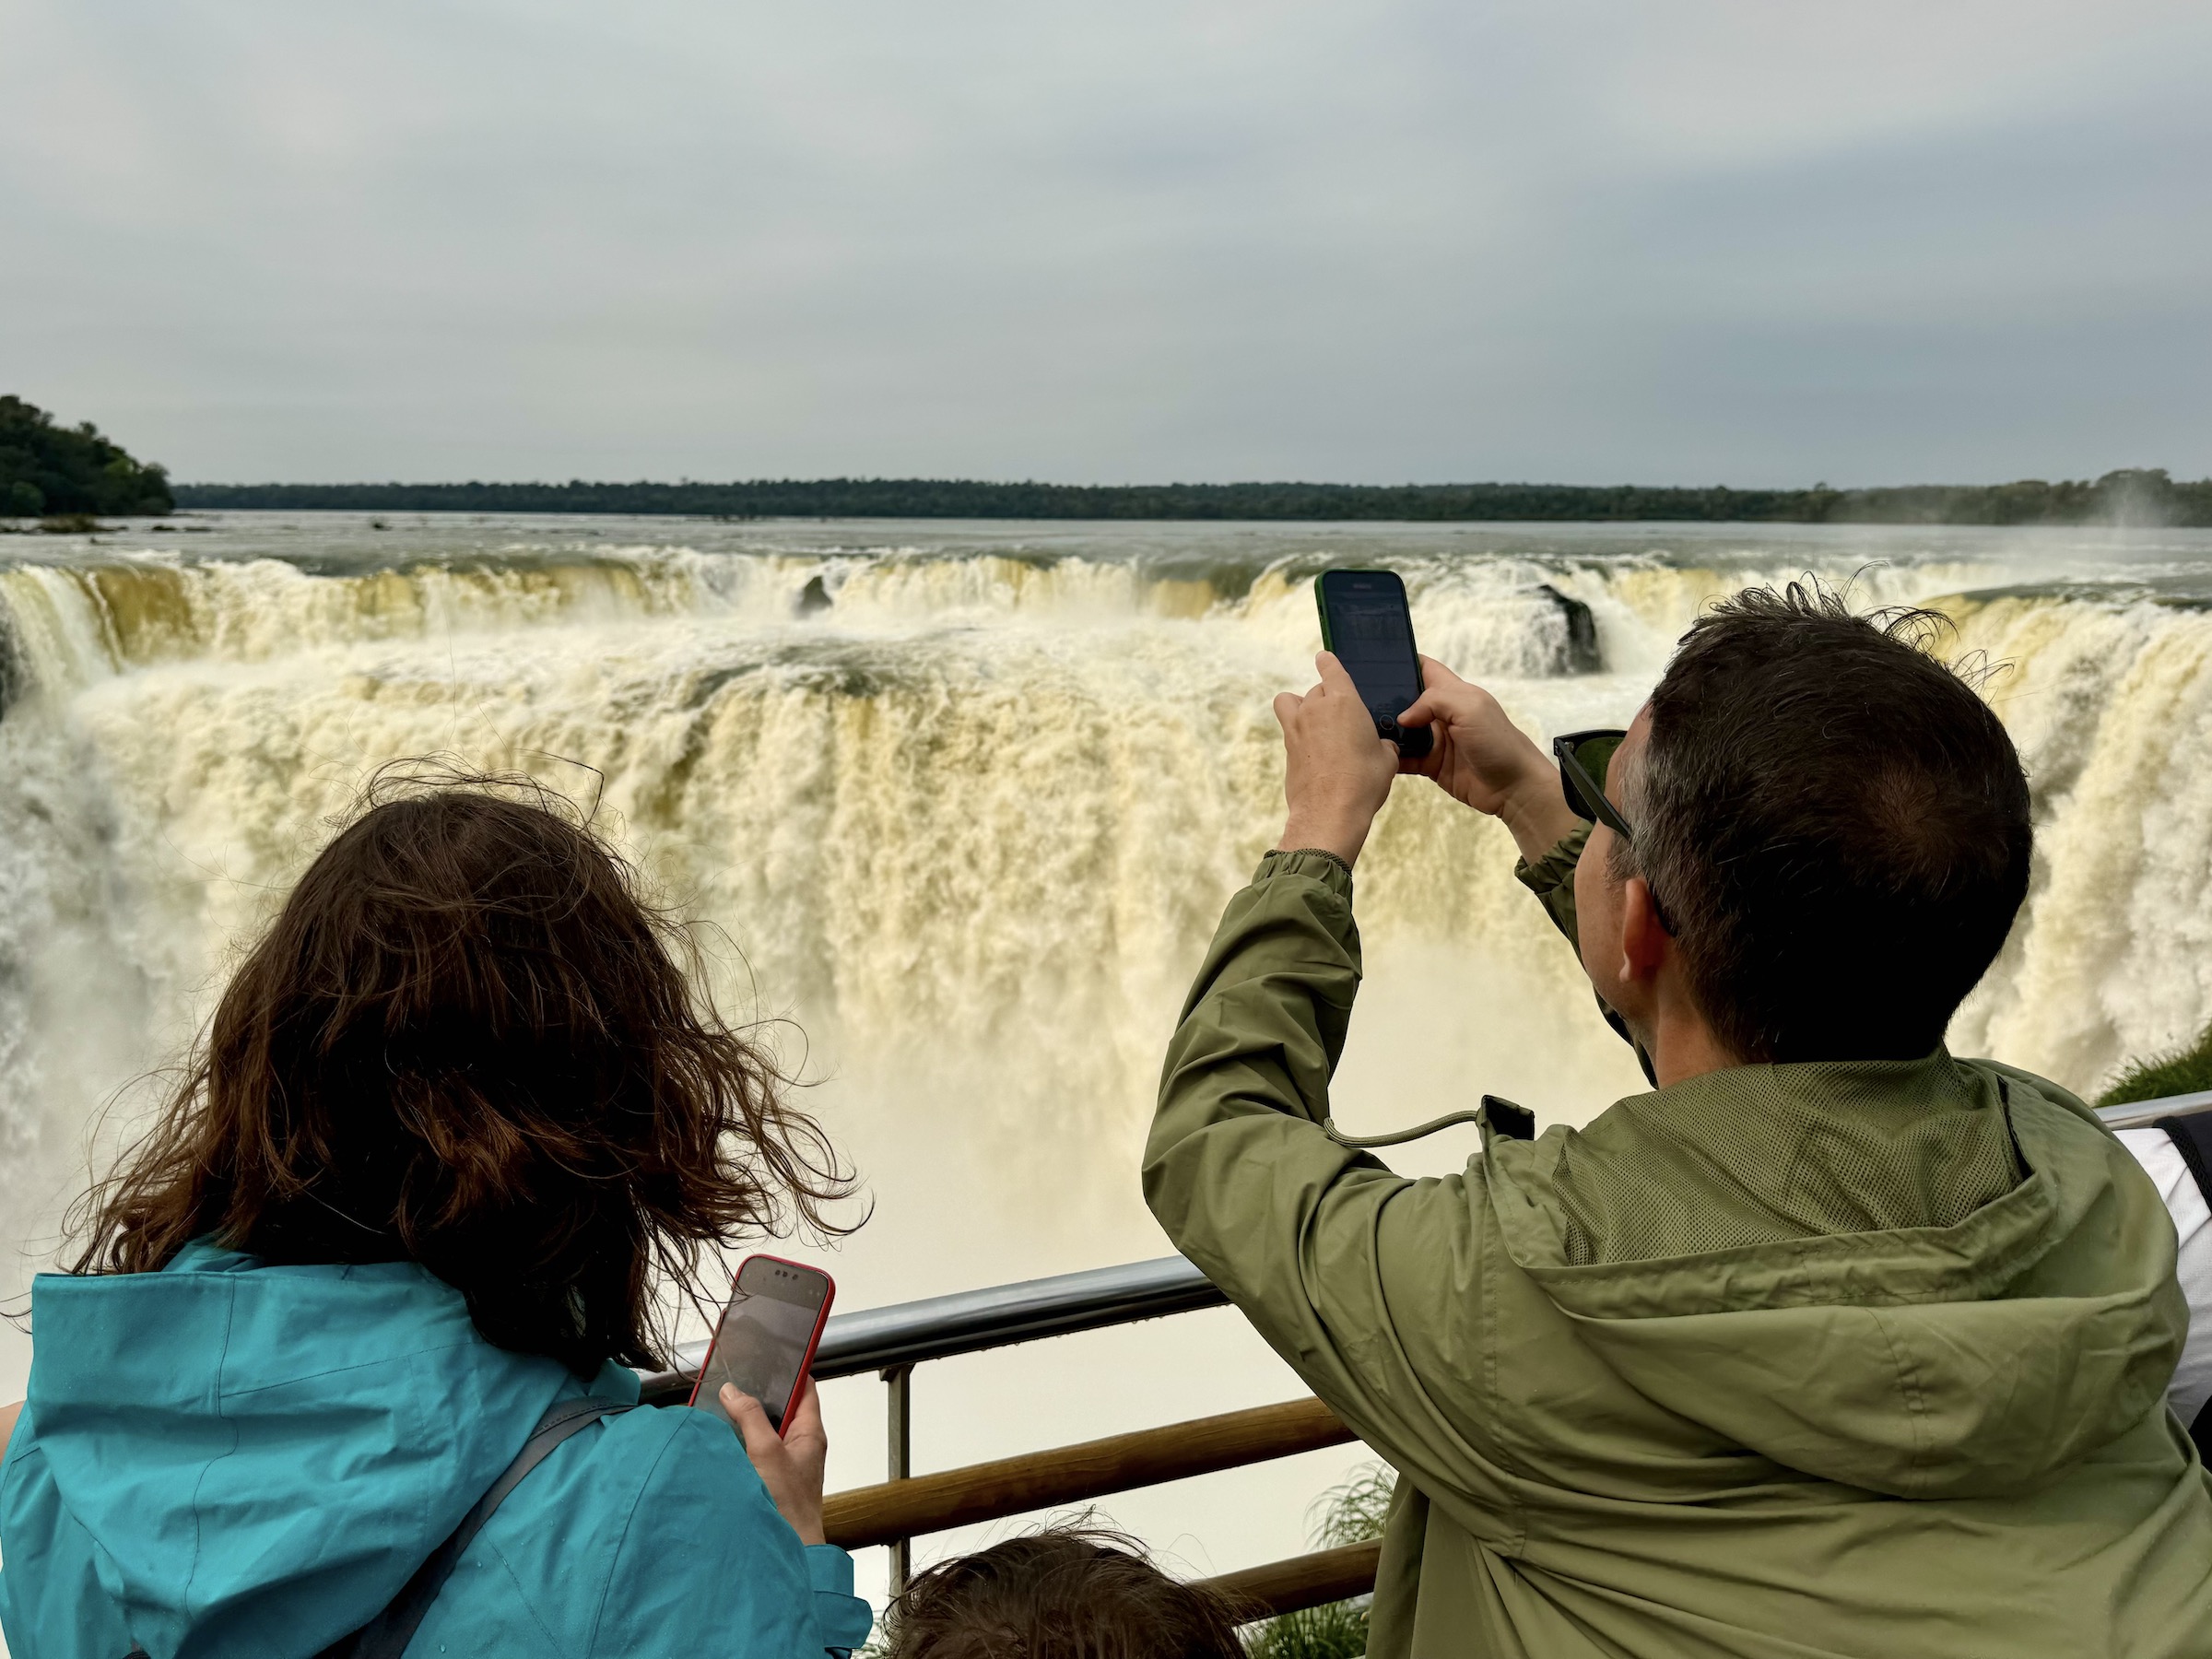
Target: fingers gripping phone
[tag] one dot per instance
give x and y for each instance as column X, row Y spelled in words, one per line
column 766, row 1339
column 1365, row 620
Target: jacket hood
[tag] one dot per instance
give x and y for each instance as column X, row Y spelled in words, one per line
column 1983, row 1356
column 262, row 1457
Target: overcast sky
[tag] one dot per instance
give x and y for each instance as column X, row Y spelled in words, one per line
column 1680, row 242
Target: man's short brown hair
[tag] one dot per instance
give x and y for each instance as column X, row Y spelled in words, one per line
column 1066, row 1593
column 1833, row 823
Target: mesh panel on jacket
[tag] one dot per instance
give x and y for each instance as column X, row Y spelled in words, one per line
column 1753, row 1156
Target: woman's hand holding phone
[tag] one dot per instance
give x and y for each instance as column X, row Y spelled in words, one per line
column 765, row 1340
column 791, row 1464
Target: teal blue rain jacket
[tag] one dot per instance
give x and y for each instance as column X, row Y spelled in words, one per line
column 229, row 1458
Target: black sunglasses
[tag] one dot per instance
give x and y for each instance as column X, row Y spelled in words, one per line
column 1584, row 758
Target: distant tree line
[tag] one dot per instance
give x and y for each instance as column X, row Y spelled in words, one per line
column 2146, row 497
column 50, row 469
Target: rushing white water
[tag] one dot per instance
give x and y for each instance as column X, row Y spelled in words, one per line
column 970, row 823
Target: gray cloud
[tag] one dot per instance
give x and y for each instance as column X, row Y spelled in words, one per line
column 1372, row 240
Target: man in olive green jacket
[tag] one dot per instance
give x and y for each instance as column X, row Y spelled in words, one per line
column 1831, row 1345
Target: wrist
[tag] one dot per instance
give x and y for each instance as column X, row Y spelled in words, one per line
column 1536, row 812
column 1343, row 835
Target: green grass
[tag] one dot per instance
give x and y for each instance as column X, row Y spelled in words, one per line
column 1335, row 1631
column 2186, row 1071
column 1350, row 1513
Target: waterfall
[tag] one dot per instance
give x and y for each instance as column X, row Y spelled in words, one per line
column 963, row 803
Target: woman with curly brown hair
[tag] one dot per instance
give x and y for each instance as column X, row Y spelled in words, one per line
column 460, row 1135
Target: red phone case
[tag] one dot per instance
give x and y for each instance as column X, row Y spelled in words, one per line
column 813, row 1337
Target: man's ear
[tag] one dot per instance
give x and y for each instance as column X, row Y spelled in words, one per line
column 1645, row 941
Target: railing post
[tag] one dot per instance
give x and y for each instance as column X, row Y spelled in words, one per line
column 900, row 1379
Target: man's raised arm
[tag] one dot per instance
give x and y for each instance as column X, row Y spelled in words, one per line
column 1237, row 1168
column 1366, row 1283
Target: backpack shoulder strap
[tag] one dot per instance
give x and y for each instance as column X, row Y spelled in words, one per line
column 387, row 1636
column 2192, row 1138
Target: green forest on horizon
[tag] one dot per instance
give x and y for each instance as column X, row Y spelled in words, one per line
column 2133, row 496
column 49, row 470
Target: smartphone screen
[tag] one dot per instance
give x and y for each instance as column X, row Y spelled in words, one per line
column 1365, row 620
column 767, row 1335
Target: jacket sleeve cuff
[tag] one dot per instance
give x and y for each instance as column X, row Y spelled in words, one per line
column 1556, row 868
column 1313, row 863
column 840, row 1617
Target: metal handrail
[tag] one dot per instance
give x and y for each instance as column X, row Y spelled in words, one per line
column 972, row 1321
column 938, row 1328
column 2141, row 1114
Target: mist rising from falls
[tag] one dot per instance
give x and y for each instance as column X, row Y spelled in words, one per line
column 972, row 824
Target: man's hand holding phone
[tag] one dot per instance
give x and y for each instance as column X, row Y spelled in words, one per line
column 1336, row 772
column 790, row 1463
column 1482, row 759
